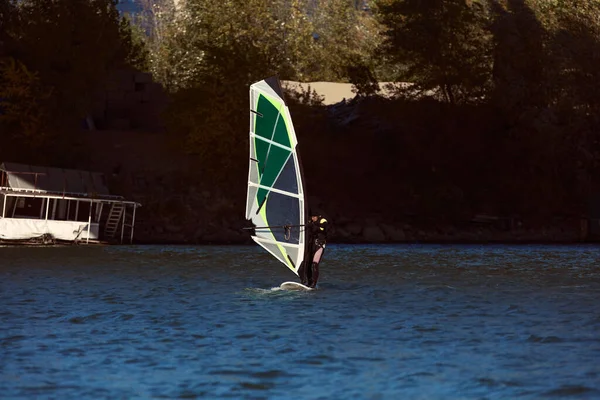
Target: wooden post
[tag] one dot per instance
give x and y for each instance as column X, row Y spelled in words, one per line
column 99, row 213
column 123, row 223
column 89, row 222
column 132, row 223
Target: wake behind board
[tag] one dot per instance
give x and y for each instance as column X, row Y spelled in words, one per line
column 294, row 286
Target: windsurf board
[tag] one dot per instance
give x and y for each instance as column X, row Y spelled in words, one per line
column 294, row 286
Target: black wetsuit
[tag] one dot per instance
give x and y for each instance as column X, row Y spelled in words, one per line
column 316, row 240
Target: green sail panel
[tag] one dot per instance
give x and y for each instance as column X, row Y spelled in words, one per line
column 272, row 123
column 276, row 159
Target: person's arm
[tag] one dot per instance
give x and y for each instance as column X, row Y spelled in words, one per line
column 323, row 225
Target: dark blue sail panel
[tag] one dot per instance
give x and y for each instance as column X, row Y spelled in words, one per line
column 288, row 177
column 274, row 83
column 283, row 210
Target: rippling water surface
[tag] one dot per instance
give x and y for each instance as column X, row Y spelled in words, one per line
column 414, row 322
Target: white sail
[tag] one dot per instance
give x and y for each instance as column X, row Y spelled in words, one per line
column 275, row 201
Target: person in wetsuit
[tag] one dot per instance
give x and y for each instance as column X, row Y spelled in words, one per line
column 316, row 240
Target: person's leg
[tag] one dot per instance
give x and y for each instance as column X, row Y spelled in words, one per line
column 315, row 266
column 302, row 273
column 306, row 264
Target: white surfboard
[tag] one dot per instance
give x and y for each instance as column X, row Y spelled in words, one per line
column 294, row 286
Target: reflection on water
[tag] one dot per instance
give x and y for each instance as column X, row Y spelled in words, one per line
column 431, row 322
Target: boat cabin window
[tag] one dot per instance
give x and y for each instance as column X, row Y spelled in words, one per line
column 10, row 207
column 56, row 209
column 28, row 207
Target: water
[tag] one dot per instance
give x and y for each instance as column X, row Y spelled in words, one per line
column 389, row 322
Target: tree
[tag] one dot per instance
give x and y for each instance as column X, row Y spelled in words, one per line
column 443, row 46
column 7, row 13
column 135, row 44
column 162, row 22
column 71, row 47
column 219, row 47
column 23, row 103
column 545, row 88
column 346, row 39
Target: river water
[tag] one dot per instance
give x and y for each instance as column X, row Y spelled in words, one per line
column 388, row 322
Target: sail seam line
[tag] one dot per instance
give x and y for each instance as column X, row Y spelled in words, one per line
column 254, row 135
column 272, row 189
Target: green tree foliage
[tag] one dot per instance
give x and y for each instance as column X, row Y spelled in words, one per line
column 219, row 48
column 134, row 40
column 162, row 23
column 70, row 47
column 23, row 102
column 207, row 53
column 347, row 37
column 438, row 45
column 244, row 40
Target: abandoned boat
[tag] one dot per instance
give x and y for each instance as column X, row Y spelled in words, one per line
column 45, row 205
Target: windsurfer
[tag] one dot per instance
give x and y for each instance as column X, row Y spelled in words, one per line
column 316, row 239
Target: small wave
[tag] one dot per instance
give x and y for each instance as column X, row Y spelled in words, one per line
column 229, row 372
column 245, row 336
column 274, row 373
column 513, row 308
column 134, row 361
column 489, row 382
column 188, row 394
column 544, row 339
column 420, row 374
column 571, row 390
column 420, row 328
column 72, row 352
column 370, row 359
column 262, row 291
column 81, row 319
column 112, row 299
column 257, row 386
column 320, row 359
column 124, row 317
column 49, row 387
column 4, row 342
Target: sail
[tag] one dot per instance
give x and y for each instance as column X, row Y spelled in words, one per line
column 275, row 201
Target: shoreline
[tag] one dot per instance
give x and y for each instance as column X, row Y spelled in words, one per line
column 376, row 233
column 464, row 243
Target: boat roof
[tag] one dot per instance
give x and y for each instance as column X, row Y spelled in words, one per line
column 50, row 180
